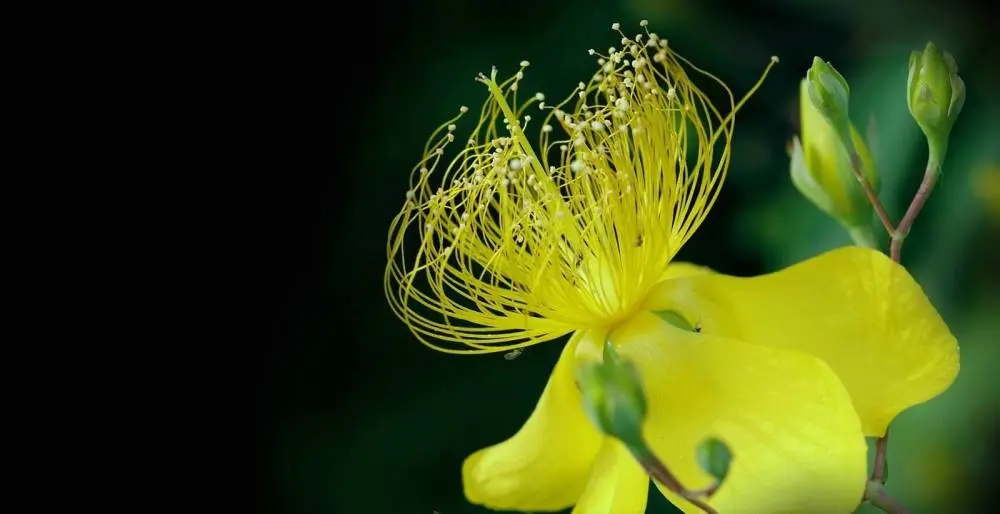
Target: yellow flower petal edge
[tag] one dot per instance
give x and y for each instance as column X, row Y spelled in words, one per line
column 863, row 314
column 618, row 484
column 545, row 466
column 796, row 440
column 683, row 269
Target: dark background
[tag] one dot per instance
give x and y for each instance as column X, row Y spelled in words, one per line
column 354, row 415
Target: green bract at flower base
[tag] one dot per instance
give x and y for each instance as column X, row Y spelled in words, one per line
column 510, row 244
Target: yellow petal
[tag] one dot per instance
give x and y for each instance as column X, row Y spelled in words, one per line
column 853, row 307
column 796, row 441
column 545, row 465
column 617, row 485
column 683, row 269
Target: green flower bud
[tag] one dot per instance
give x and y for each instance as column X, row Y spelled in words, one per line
column 715, row 458
column 935, row 96
column 821, row 167
column 830, row 95
column 614, row 399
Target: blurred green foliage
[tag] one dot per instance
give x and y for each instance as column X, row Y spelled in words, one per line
column 377, row 423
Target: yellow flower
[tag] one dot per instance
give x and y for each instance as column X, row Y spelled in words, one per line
column 509, row 244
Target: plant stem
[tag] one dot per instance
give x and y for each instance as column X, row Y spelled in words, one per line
column 876, row 494
column 878, row 469
column 931, row 174
column 656, row 469
column 866, row 186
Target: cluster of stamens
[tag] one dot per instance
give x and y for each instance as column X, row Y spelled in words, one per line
column 518, row 243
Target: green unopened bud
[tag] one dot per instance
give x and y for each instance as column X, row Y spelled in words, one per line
column 828, row 91
column 821, row 167
column 613, row 398
column 935, row 96
column 715, row 458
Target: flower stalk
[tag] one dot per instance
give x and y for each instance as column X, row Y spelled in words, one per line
column 659, row 472
column 876, row 495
